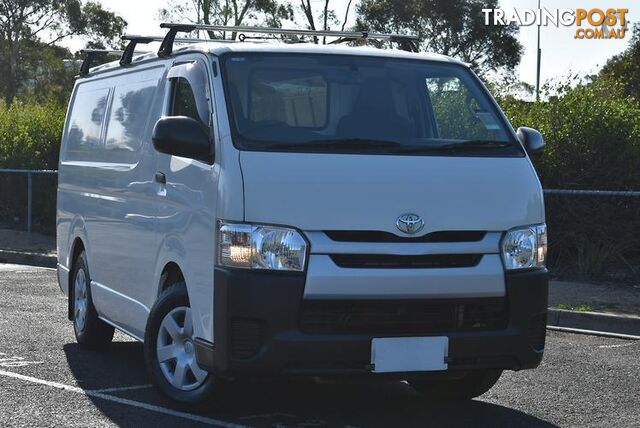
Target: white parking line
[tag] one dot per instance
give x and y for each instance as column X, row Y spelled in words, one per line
column 133, row 403
column 621, row 345
column 123, row 388
column 7, row 361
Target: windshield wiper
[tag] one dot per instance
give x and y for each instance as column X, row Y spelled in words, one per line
column 475, row 143
column 362, row 144
column 340, row 143
column 424, row 148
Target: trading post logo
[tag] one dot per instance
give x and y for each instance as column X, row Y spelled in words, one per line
column 590, row 23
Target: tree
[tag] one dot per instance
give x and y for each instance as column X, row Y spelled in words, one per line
column 26, row 24
column 625, row 67
column 227, row 12
column 46, row 72
column 450, row 27
column 327, row 17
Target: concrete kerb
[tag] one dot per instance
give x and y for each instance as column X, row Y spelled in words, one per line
column 30, row 259
column 595, row 321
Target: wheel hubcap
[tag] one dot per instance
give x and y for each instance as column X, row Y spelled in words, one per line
column 176, row 351
column 80, row 300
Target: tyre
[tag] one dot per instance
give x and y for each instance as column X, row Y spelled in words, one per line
column 470, row 385
column 91, row 332
column 169, row 350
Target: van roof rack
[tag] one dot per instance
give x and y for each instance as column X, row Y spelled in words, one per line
column 134, row 40
column 91, row 56
column 93, row 53
column 127, row 54
column 406, row 42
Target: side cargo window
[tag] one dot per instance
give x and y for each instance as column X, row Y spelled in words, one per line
column 127, row 121
column 84, row 135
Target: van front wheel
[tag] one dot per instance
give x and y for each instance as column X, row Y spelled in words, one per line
column 169, row 349
column 470, row 385
column 91, row 332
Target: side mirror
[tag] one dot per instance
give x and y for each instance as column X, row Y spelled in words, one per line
column 532, row 140
column 182, row 136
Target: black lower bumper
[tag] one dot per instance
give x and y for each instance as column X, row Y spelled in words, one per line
column 257, row 330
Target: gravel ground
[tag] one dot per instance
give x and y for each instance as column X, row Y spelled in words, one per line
column 47, row 380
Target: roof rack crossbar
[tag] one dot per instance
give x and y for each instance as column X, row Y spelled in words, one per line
column 127, row 55
column 176, row 40
column 406, row 42
column 91, row 55
column 166, row 47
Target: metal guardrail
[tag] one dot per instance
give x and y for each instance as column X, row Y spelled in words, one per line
column 29, row 173
column 576, row 192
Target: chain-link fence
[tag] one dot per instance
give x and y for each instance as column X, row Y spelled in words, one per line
column 593, row 234
column 28, row 199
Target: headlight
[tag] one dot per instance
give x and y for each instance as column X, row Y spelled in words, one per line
column 525, row 248
column 253, row 246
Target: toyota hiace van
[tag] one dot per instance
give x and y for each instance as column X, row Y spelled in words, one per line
column 258, row 208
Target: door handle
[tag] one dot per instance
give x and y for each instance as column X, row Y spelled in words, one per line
column 160, row 178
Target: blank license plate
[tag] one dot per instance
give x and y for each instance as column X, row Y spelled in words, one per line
column 409, row 354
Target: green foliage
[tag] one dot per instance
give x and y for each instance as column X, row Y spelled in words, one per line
column 592, row 133
column 90, row 19
column 30, row 135
column 29, row 139
column 29, row 30
column 626, row 66
column 44, row 74
column 450, row 27
column 579, row 308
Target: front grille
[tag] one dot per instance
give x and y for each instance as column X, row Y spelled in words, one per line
column 402, row 316
column 378, row 236
column 385, row 261
column 246, row 338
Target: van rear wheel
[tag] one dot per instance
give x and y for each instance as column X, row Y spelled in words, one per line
column 169, row 349
column 470, row 385
column 91, row 332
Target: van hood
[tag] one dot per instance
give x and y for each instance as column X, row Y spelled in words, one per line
column 313, row 191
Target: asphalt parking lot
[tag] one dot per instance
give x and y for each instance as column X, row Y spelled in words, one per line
column 47, row 380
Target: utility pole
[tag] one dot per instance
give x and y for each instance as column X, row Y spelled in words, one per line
column 538, row 62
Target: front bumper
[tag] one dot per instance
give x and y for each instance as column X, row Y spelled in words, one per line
column 257, row 330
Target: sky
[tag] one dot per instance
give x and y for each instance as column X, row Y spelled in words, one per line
column 562, row 54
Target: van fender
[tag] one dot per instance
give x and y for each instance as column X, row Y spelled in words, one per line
column 77, row 232
column 172, row 251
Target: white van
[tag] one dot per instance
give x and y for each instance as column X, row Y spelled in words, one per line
column 251, row 209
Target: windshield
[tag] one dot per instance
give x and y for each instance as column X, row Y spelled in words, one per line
column 355, row 104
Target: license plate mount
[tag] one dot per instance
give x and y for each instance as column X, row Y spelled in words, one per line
column 409, row 354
